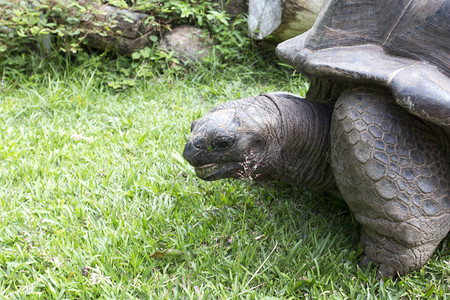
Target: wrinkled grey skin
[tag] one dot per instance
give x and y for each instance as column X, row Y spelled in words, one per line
column 276, row 132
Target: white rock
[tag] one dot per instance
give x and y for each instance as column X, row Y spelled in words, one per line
column 283, row 19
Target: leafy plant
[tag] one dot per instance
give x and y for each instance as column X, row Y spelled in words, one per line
column 47, row 33
column 33, row 33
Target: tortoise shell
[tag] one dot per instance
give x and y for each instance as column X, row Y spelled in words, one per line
column 403, row 45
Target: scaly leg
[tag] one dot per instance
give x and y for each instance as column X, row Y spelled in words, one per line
column 392, row 170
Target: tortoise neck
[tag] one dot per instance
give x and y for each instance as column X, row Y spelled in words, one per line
column 305, row 144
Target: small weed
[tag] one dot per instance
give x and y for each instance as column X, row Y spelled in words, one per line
column 250, row 167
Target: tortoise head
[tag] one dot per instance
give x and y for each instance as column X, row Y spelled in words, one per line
column 231, row 141
column 277, row 136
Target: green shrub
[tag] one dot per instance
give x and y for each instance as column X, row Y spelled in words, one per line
column 34, row 34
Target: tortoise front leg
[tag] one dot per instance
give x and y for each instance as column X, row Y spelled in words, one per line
column 392, row 170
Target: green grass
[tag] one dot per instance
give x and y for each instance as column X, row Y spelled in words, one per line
column 93, row 183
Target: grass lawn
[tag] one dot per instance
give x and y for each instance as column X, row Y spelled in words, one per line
column 94, row 187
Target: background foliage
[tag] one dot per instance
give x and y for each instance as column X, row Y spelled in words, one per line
column 36, row 33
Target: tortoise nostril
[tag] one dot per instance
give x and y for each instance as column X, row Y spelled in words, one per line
column 222, row 143
column 190, row 153
column 199, row 143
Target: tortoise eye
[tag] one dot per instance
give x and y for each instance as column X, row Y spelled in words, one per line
column 222, row 143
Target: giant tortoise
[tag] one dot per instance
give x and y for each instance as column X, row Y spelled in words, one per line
column 374, row 128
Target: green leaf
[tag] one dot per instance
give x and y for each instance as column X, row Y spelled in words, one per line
column 145, row 53
column 153, row 38
column 429, row 292
column 135, row 55
column 118, row 3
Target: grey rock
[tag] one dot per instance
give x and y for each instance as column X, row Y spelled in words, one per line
column 129, row 31
column 188, row 43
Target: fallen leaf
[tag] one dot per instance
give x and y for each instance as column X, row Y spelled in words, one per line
column 80, row 137
column 229, row 240
column 302, row 278
column 167, row 253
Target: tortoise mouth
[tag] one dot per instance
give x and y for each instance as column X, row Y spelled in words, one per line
column 215, row 171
